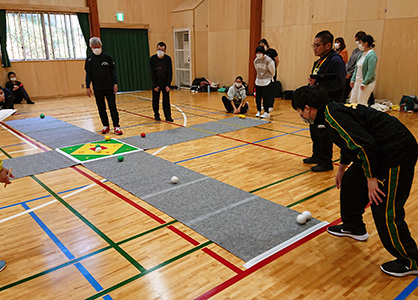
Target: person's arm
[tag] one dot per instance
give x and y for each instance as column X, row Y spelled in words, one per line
column 152, row 66
column 4, row 174
column 113, row 73
column 272, row 68
column 371, row 68
column 87, row 68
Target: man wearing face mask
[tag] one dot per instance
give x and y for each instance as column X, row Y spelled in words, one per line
column 328, row 72
column 161, row 75
column 16, row 88
column 235, row 102
column 100, row 69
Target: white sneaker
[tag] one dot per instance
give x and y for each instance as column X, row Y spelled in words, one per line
column 270, row 109
column 257, row 114
column 265, row 115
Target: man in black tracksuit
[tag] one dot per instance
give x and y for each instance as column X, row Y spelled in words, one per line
column 329, row 73
column 100, row 69
column 161, row 75
column 383, row 154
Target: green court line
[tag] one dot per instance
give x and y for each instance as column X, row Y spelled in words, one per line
column 5, row 153
column 311, row 196
column 71, row 262
column 94, row 228
column 279, row 181
column 135, row 277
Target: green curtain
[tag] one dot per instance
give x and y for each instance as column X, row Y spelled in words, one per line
column 83, row 20
column 130, row 50
column 3, row 37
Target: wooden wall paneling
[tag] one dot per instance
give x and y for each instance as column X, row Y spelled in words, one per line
column 358, row 10
column 242, row 54
column 80, row 3
column 243, row 14
column 201, row 54
column 75, row 77
column 397, row 65
column 107, row 10
column 401, row 9
column 273, row 11
column 297, row 12
column 325, row 11
column 44, row 8
column 201, row 17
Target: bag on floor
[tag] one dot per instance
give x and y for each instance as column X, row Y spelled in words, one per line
column 408, row 103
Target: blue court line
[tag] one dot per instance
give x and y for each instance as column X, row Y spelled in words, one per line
column 408, row 290
column 219, row 151
column 20, row 144
column 67, row 252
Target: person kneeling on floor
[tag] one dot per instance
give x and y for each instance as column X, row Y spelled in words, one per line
column 235, row 102
column 17, row 89
column 6, row 99
column 378, row 157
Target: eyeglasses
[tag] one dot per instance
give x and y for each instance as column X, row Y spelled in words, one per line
column 316, row 45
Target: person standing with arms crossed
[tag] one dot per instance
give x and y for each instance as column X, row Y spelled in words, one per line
column 161, row 75
column 100, row 69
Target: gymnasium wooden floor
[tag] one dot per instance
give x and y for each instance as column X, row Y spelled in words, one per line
column 99, row 241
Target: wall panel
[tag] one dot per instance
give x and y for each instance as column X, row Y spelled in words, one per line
column 401, row 9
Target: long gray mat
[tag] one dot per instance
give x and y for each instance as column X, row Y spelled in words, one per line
column 54, row 133
column 243, row 223
column 38, row 163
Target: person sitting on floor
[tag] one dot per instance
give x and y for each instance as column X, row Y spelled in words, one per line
column 17, row 89
column 6, row 99
column 235, row 102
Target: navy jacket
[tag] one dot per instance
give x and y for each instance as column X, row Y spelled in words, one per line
column 101, row 70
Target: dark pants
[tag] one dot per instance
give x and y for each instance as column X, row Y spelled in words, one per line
column 7, row 103
column 20, row 94
column 321, row 144
column 166, row 103
column 347, row 90
column 265, row 93
column 388, row 216
column 230, row 108
column 101, row 105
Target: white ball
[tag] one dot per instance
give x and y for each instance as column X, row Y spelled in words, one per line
column 307, row 215
column 98, row 149
column 301, row 219
column 174, row 179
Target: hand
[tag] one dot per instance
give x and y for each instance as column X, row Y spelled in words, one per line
column 89, row 92
column 115, row 88
column 4, row 176
column 374, row 191
column 167, row 89
column 348, row 76
column 15, row 87
column 362, row 87
column 351, row 84
column 311, row 81
column 236, row 111
column 157, row 89
column 339, row 177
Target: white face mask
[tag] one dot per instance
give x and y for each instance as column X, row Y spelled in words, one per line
column 160, row 53
column 259, row 55
column 97, row 51
column 13, row 78
column 357, row 43
column 265, row 47
column 309, row 121
column 337, row 45
column 361, row 47
column 238, row 85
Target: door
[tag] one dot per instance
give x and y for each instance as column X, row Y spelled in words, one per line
column 182, row 59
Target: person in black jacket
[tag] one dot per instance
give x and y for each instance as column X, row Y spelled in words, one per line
column 382, row 153
column 100, row 69
column 329, row 73
column 6, row 99
column 16, row 88
column 161, row 75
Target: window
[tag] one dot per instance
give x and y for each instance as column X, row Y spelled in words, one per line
column 44, row 36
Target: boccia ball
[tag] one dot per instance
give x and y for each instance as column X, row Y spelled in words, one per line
column 301, row 219
column 241, row 116
column 307, row 215
column 42, row 116
column 174, row 179
column 97, row 146
column 107, row 138
column 120, row 158
column 143, row 134
column 98, row 149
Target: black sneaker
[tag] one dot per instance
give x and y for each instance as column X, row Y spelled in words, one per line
column 311, row 160
column 322, row 168
column 157, row 118
column 397, row 269
column 29, row 102
column 169, row 120
column 338, row 230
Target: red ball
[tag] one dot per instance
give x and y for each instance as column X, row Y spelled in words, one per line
column 143, row 134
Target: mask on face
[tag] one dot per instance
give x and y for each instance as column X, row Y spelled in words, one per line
column 238, row 85
column 160, row 53
column 97, row 51
column 13, row 78
column 337, row 45
column 361, row 47
column 357, row 43
column 309, row 121
column 265, row 47
column 259, row 55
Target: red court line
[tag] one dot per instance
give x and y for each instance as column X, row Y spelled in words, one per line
column 223, row 261
column 137, row 206
column 183, row 235
column 24, row 137
column 263, row 263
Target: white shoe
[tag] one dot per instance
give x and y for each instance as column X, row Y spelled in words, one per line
column 265, row 115
column 270, row 109
column 257, row 114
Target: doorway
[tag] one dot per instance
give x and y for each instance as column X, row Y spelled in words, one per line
column 182, row 59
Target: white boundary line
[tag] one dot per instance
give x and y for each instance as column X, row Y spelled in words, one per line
column 159, row 150
column 24, row 150
column 283, row 245
column 48, row 203
column 19, row 137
